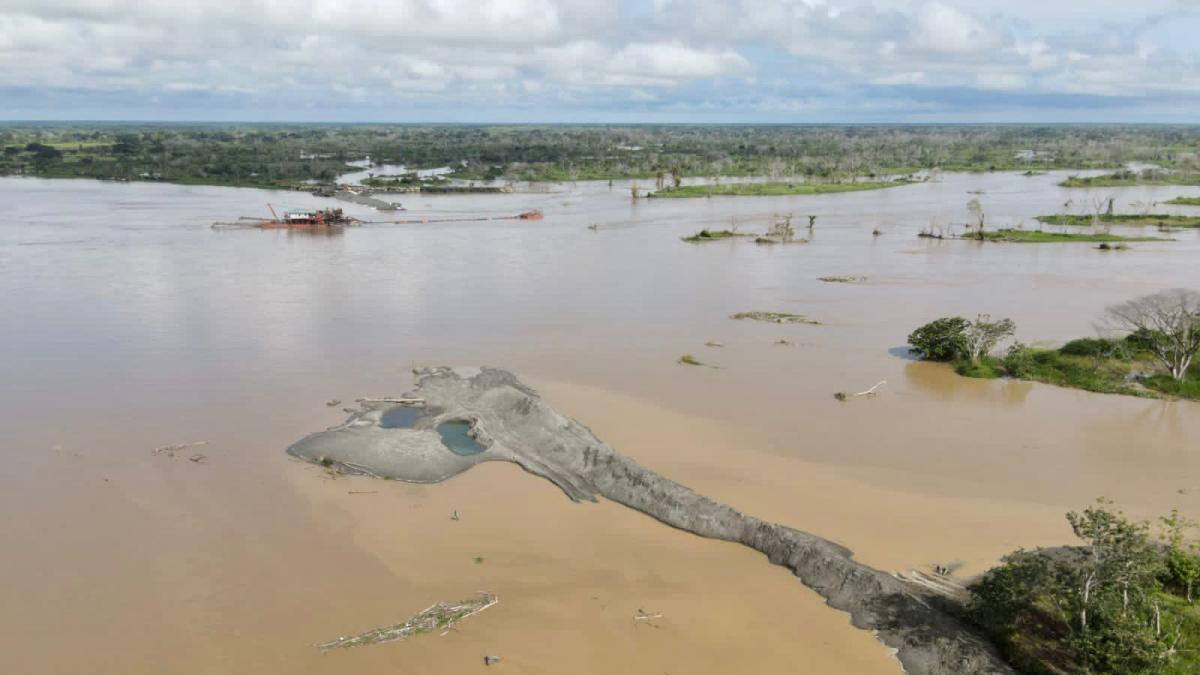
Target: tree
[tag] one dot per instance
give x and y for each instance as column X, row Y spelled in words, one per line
column 1167, row 324
column 1094, row 608
column 982, row 334
column 942, row 339
column 976, row 210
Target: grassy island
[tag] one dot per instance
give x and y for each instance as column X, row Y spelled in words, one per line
column 771, row 189
column 1132, row 178
column 714, row 235
column 1156, row 359
column 1184, row 201
column 1109, row 372
column 1155, row 219
column 1042, row 237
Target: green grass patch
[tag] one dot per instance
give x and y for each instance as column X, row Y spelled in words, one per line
column 714, row 235
column 774, row 317
column 1188, row 387
column 1041, row 237
column 985, row 369
column 1129, row 179
column 771, row 189
column 1185, row 201
column 1156, row 219
column 1177, row 612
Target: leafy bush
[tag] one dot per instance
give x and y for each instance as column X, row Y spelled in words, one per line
column 1098, row 347
column 1019, row 361
column 1185, row 388
column 942, row 339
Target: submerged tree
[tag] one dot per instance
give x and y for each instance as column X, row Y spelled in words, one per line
column 1166, row 324
column 976, row 210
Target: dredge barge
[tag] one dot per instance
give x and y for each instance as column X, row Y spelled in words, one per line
column 324, row 220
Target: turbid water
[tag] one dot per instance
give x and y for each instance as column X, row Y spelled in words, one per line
column 131, row 324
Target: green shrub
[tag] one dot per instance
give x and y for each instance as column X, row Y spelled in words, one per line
column 985, row 369
column 1018, row 362
column 1098, row 347
column 1141, row 340
column 1188, row 387
column 942, row 339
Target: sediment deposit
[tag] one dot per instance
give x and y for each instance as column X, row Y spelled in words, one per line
column 512, row 423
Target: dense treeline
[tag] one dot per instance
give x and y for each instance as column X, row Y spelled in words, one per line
column 286, row 155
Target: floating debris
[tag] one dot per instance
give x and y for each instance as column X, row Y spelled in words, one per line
column 442, row 616
column 333, row 402
column 873, row 390
column 842, row 279
column 689, row 360
column 648, row 618
column 714, row 343
column 489, row 660
column 198, row 458
column 170, row 450
column 774, row 317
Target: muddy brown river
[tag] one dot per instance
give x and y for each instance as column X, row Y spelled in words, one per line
column 129, row 323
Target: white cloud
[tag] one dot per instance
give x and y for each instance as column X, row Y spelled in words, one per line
column 942, row 28
column 674, row 60
column 673, row 54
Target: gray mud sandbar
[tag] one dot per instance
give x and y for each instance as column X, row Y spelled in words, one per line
column 512, row 423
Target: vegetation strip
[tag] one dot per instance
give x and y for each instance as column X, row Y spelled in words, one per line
column 771, row 189
column 774, row 317
column 714, row 235
column 295, row 156
column 1043, row 237
column 1129, row 178
column 1158, row 219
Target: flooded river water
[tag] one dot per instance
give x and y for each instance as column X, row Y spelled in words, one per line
column 129, row 323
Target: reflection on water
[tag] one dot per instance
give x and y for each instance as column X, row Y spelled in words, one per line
column 941, row 382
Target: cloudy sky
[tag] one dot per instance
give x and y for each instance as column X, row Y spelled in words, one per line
column 592, row 60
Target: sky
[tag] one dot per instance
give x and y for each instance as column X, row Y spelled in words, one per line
column 620, row 61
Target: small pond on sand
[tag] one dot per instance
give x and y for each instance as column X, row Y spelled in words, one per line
column 455, row 433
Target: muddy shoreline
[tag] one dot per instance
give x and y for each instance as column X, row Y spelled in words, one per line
column 512, row 424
